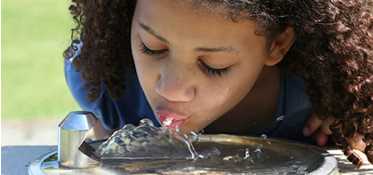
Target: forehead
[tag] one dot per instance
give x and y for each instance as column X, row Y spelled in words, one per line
column 182, row 21
column 226, row 9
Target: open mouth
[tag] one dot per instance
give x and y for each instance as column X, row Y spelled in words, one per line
column 172, row 124
column 171, row 120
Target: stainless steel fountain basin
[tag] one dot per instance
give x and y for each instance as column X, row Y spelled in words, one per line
column 279, row 157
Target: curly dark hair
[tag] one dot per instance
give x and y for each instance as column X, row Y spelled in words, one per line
column 332, row 52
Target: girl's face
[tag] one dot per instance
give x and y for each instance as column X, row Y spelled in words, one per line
column 194, row 65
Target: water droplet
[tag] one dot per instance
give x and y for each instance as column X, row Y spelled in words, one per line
column 247, row 154
column 235, row 158
column 146, row 122
column 127, row 127
column 167, row 122
column 210, row 153
column 193, row 136
column 228, row 158
column 258, row 152
column 280, row 118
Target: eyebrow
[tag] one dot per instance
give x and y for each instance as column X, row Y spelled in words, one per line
column 198, row 49
column 217, row 49
column 151, row 31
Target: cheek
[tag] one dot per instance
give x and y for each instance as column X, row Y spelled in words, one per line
column 239, row 83
column 216, row 96
column 147, row 72
column 215, row 100
column 220, row 96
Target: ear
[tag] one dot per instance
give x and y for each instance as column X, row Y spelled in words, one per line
column 280, row 46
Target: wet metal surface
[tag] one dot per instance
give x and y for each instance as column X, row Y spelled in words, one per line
column 278, row 157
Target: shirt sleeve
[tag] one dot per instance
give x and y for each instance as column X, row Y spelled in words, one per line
column 130, row 107
column 77, row 85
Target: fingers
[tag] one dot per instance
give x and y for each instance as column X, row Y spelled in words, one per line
column 356, row 142
column 321, row 138
column 356, row 157
column 319, row 129
column 325, row 126
column 312, row 125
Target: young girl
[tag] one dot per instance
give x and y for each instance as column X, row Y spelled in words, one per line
column 246, row 67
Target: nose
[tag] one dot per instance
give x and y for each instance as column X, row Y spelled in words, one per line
column 176, row 84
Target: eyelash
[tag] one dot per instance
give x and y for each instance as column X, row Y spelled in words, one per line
column 213, row 71
column 148, row 51
column 209, row 70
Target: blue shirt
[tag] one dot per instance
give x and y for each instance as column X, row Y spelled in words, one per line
column 293, row 108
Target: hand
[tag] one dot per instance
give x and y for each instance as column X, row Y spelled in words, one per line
column 355, row 150
column 319, row 129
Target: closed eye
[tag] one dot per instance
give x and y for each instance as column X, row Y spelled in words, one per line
column 205, row 67
column 146, row 50
column 213, row 71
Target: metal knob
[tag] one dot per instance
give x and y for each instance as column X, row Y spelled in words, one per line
column 73, row 131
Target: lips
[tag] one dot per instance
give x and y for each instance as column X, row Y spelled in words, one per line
column 171, row 119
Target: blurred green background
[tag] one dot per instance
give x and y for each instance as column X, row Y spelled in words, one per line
column 34, row 35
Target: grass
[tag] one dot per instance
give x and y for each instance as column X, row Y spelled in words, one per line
column 34, row 35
